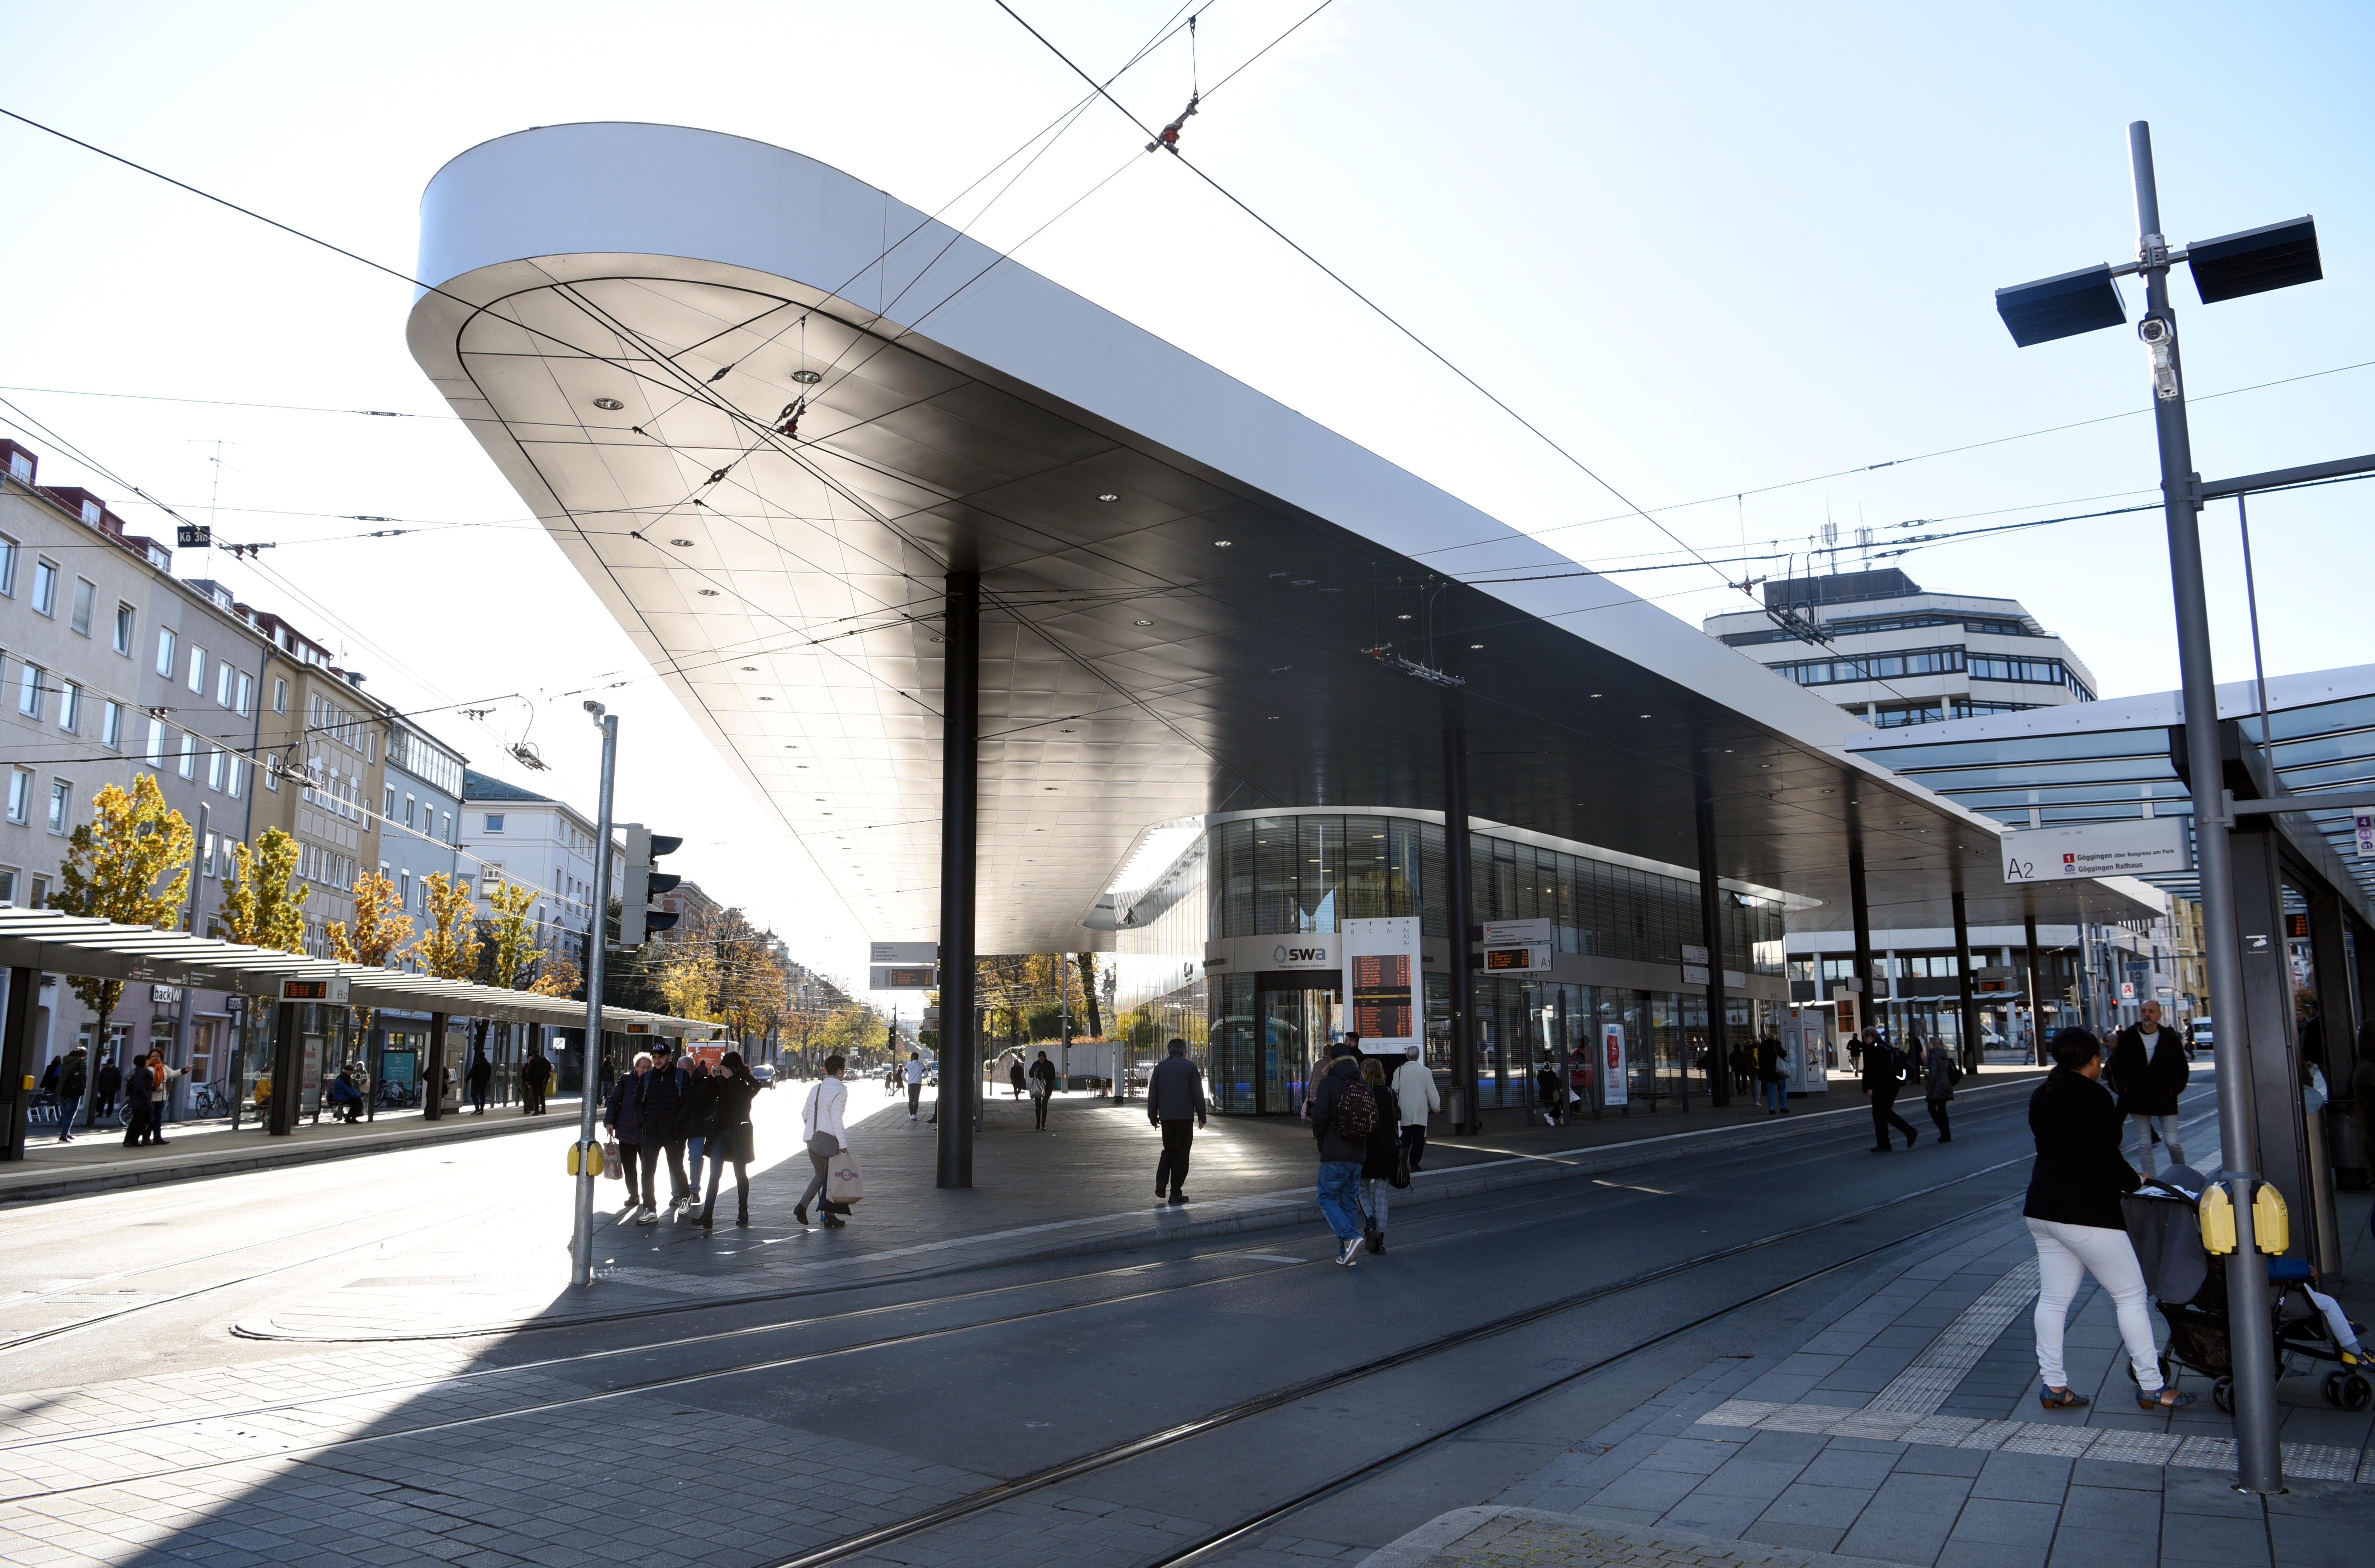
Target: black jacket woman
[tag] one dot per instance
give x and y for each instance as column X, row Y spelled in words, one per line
column 2073, row 1215
column 730, row 1139
column 1381, row 1159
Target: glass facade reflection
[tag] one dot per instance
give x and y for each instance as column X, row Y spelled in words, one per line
column 1257, row 1032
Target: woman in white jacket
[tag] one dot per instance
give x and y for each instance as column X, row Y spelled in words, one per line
column 822, row 1130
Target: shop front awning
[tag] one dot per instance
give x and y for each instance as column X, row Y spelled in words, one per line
column 101, row 949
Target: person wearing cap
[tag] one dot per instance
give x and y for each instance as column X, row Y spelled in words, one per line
column 1414, row 1091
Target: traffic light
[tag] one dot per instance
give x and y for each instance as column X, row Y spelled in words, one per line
column 637, row 919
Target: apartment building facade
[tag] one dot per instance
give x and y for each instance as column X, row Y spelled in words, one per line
column 510, row 832
column 112, row 668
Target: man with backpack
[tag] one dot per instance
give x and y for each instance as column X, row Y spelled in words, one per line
column 1343, row 1115
column 1884, row 1074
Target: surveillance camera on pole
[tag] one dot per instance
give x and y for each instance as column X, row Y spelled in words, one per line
column 637, row 919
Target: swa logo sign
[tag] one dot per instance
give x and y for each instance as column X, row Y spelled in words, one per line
column 1284, row 954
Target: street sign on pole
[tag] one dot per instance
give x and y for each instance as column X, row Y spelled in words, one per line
column 2137, row 847
column 2362, row 829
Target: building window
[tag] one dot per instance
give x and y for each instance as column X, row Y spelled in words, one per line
column 230, row 777
column 70, row 708
column 41, row 899
column 206, row 865
column 8, row 885
column 61, row 805
column 189, row 754
column 279, row 695
column 29, row 691
column 272, row 775
column 45, row 588
column 407, row 811
column 8, row 567
column 165, row 652
column 20, row 794
column 155, row 742
column 494, row 822
column 198, row 670
column 223, row 673
column 246, row 695
column 110, row 725
column 446, row 836
column 124, row 616
column 388, row 804
column 215, row 759
column 86, row 593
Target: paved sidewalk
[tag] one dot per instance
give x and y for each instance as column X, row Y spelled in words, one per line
column 1529, row 1537
column 97, row 1161
column 1907, row 1430
column 1084, row 1186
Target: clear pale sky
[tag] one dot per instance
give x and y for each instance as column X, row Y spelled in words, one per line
column 1712, row 249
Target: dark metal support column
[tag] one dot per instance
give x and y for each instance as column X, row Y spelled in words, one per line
column 15, row 1038
column 1460, row 909
column 1859, row 908
column 2036, row 991
column 1970, row 993
column 959, row 824
column 288, row 1063
column 1711, row 935
column 433, row 1070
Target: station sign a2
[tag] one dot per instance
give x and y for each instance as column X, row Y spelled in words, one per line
column 2137, row 847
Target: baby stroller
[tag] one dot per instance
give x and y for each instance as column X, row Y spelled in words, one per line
column 2164, row 1220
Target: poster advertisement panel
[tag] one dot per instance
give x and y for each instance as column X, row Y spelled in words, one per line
column 1617, row 1087
column 1385, row 991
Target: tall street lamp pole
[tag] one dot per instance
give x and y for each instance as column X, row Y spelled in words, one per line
column 2254, row 261
column 597, row 948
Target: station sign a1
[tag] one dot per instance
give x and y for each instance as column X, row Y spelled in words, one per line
column 1385, row 987
column 2139, row 846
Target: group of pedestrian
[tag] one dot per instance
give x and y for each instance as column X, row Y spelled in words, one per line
column 144, row 1091
column 1888, row 1070
column 534, row 1081
column 671, row 1107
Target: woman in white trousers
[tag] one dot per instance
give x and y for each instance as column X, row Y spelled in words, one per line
column 2073, row 1213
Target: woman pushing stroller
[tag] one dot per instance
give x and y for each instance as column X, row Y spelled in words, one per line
column 2073, row 1213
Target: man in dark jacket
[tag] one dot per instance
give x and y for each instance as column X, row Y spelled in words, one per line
column 73, row 1077
column 623, row 1115
column 1042, row 1089
column 1342, row 1148
column 1174, row 1105
column 1884, row 1074
column 105, row 1085
column 138, row 1085
column 481, row 1078
column 666, row 1090
column 2149, row 1071
column 535, row 1074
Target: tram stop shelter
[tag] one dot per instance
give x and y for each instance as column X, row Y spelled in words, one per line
column 1038, row 634
column 300, row 1022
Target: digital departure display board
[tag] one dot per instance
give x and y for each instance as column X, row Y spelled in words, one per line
column 1381, row 995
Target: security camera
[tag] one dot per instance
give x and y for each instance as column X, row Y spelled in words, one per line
column 2155, row 329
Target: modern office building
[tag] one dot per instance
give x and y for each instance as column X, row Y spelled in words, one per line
column 1878, row 645
column 1123, row 654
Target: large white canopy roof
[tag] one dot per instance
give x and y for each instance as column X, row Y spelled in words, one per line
column 625, row 313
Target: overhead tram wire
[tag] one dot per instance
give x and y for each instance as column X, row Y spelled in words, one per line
column 1380, row 311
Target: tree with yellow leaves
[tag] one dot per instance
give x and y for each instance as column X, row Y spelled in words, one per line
column 115, row 868
column 510, row 936
column 449, row 948
column 557, row 976
column 266, row 905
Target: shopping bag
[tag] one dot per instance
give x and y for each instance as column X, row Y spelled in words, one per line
column 843, row 1183
column 612, row 1166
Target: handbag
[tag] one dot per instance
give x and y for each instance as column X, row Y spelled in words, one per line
column 612, row 1166
column 1402, row 1177
column 843, row 1182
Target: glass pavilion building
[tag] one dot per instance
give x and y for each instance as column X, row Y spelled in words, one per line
column 1225, row 943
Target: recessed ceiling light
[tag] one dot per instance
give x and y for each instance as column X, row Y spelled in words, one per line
column 1645, row 716
column 1304, row 582
column 808, row 378
column 1476, row 644
column 1050, row 788
column 1109, row 496
column 709, row 593
column 1142, row 623
column 1404, row 616
column 1222, row 544
column 1595, row 694
column 608, row 405
column 681, row 543
column 765, row 698
column 1067, row 732
column 1273, row 715
column 747, row 668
